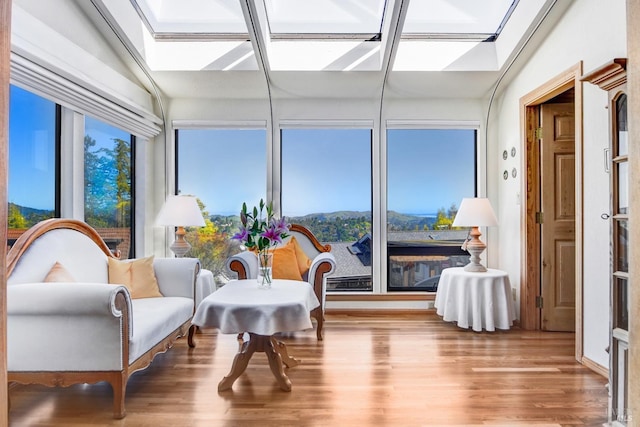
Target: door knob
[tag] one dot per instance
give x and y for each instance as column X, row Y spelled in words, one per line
column 605, row 216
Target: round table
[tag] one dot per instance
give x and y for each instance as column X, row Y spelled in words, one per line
column 241, row 307
column 480, row 300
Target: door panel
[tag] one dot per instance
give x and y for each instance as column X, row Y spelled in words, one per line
column 557, row 201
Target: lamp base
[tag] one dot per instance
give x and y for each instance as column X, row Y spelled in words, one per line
column 475, row 247
column 475, row 268
column 180, row 246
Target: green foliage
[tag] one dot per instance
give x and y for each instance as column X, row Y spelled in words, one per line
column 210, row 245
column 21, row 217
column 16, row 219
column 107, row 184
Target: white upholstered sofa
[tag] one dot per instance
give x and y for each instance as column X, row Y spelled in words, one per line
column 82, row 329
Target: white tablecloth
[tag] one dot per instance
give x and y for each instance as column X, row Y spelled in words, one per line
column 205, row 285
column 479, row 300
column 240, row 306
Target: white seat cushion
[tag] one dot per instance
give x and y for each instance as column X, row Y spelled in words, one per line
column 154, row 319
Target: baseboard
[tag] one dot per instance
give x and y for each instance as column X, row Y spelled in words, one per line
column 595, row 367
column 364, row 312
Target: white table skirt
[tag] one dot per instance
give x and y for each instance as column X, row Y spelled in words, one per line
column 241, row 306
column 477, row 300
column 205, row 285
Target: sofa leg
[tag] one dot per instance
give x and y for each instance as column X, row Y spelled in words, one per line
column 190, row 338
column 320, row 319
column 119, row 386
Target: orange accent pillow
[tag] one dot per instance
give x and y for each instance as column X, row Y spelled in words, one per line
column 59, row 274
column 285, row 263
column 137, row 275
column 304, row 263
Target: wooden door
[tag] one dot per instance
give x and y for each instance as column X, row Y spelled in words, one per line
column 558, row 210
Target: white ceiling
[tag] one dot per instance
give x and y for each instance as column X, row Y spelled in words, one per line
column 324, row 48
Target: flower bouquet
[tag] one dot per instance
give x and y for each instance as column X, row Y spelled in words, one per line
column 262, row 233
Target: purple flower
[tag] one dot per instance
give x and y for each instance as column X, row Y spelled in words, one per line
column 280, row 225
column 241, row 235
column 273, row 234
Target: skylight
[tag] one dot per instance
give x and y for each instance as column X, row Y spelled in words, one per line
column 192, row 18
column 331, row 35
column 329, row 18
column 457, row 19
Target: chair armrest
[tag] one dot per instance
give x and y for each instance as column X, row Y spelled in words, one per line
column 177, row 276
column 322, row 265
column 245, row 264
column 68, row 327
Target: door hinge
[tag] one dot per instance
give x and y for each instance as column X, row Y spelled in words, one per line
column 539, row 303
column 539, row 133
column 539, row 218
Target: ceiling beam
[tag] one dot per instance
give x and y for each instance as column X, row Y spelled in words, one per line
column 392, row 24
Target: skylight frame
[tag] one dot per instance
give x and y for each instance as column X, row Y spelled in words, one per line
column 276, row 33
column 155, row 29
column 459, row 36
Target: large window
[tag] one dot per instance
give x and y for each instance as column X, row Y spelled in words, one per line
column 108, row 179
column 326, row 186
column 223, row 168
column 429, row 171
column 33, row 160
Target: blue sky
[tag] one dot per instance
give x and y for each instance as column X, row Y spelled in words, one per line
column 323, row 170
column 32, row 121
column 327, row 170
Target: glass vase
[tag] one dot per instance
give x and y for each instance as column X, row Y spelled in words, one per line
column 265, row 265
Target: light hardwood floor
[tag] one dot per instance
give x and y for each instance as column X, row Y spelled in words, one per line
column 400, row 370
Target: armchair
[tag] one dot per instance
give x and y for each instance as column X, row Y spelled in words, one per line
column 323, row 263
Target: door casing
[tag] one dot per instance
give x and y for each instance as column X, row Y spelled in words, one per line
column 530, row 243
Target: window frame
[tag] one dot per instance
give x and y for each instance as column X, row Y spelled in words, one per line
column 479, row 186
column 57, row 153
column 338, row 125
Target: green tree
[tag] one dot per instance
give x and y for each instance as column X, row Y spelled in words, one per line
column 211, row 246
column 444, row 219
column 107, row 183
column 15, row 218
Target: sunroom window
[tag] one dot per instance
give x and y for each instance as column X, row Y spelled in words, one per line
column 429, row 171
column 108, row 184
column 222, row 168
column 326, row 186
column 33, row 161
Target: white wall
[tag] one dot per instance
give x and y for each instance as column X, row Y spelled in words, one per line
column 594, row 32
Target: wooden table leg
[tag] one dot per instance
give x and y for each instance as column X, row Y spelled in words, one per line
column 275, row 351
column 281, row 348
column 240, row 362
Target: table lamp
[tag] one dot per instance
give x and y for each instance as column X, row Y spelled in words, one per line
column 180, row 212
column 475, row 212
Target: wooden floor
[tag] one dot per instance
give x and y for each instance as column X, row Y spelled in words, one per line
column 411, row 370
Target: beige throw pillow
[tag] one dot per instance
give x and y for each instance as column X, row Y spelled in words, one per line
column 137, row 275
column 59, row 274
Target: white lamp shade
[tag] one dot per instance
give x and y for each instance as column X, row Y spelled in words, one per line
column 181, row 211
column 475, row 212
